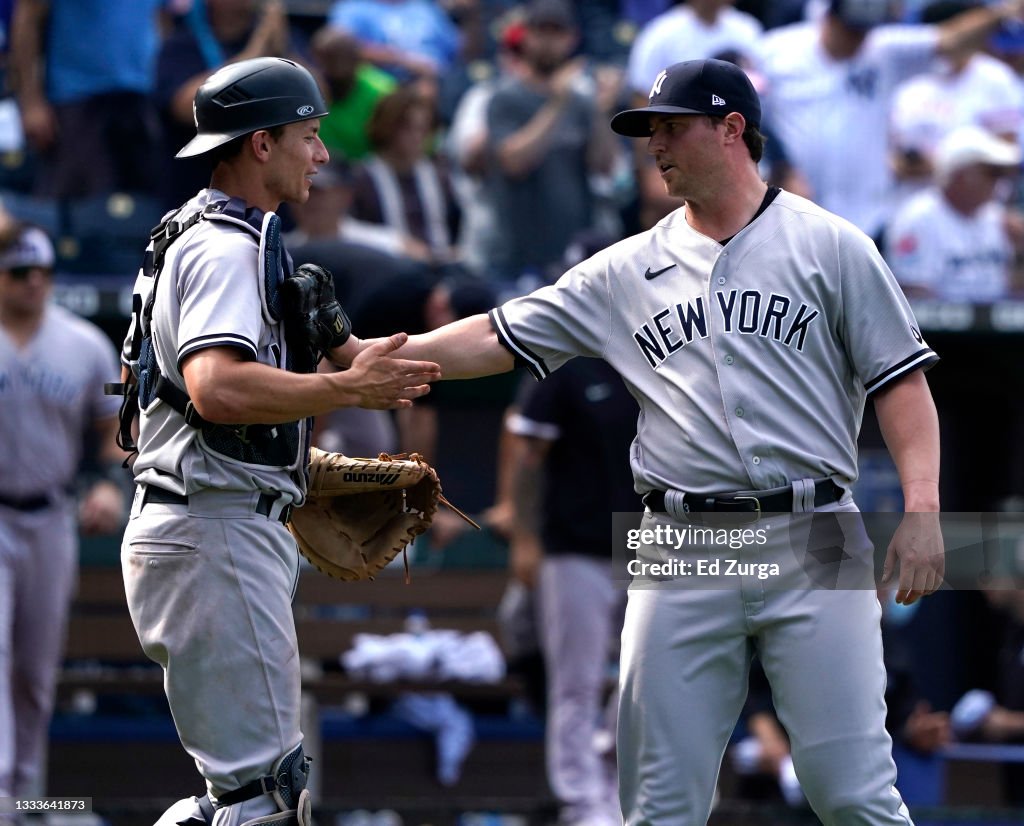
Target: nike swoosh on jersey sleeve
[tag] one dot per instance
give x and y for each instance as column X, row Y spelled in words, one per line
column 524, row 355
column 922, row 359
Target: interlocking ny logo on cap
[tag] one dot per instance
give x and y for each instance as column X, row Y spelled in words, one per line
column 302, row 111
column 656, row 88
column 717, row 101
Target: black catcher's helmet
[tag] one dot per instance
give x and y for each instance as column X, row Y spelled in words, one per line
column 253, row 94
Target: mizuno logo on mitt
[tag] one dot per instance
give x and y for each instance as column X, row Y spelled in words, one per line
column 378, row 478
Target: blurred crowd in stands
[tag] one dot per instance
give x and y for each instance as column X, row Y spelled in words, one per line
column 472, row 161
column 469, row 138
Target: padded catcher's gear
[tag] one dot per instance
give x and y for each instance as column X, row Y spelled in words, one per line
column 253, row 94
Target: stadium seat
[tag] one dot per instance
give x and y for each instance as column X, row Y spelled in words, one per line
column 106, row 234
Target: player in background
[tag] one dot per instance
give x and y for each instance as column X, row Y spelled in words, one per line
column 561, row 546
column 53, row 365
column 751, row 326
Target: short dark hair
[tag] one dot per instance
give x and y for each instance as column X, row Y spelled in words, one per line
column 233, row 148
column 752, row 137
column 755, row 142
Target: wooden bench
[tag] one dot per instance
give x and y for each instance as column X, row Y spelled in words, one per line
column 104, row 660
column 328, row 615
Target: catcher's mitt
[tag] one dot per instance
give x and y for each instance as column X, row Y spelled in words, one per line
column 359, row 513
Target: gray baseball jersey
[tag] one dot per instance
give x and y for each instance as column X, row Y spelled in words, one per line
column 51, row 391
column 751, row 362
column 209, row 295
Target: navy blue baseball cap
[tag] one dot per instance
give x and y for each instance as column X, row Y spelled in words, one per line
column 693, row 87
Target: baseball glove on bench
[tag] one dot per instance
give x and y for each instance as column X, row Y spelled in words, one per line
column 359, row 513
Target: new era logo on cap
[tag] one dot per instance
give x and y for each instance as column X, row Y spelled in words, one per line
column 694, row 87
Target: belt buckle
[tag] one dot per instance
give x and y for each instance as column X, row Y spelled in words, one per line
column 756, row 513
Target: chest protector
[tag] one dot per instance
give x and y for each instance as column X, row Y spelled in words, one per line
column 258, row 444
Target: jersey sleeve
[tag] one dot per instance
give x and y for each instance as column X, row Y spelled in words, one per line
column 546, row 328
column 882, row 337
column 220, row 301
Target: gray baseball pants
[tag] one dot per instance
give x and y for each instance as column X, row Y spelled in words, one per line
column 580, row 615
column 686, row 650
column 209, row 589
column 38, row 569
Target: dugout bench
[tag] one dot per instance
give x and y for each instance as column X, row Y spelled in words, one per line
column 113, row 739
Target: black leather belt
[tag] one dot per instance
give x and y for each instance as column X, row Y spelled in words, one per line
column 162, row 496
column 26, row 504
column 825, row 493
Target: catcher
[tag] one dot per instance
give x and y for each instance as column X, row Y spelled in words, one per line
column 217, row 385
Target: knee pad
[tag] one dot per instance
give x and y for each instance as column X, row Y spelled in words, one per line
column 291, row 774
column 277, row 799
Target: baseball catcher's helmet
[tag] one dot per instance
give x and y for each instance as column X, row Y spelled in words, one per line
column 253, row 94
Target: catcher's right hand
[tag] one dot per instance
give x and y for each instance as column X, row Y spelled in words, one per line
column 378, row 381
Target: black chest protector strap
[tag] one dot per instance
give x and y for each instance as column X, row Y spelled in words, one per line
column 259, row 444
column 140, row 354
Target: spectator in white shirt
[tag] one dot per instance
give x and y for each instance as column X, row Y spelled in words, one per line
column 969, row 87
column 690, row 30
column 828, row 91
column 955, row 240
